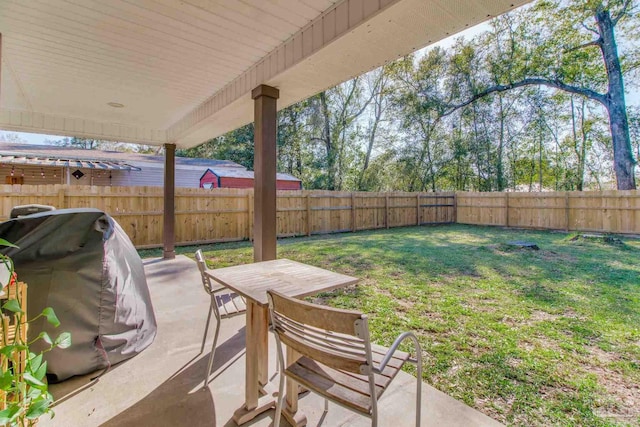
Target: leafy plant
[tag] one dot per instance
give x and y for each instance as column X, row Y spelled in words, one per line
column 24, row 395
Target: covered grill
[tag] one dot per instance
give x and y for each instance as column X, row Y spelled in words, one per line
column 82, row 264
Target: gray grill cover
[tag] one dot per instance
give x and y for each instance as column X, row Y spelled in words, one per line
column 82, row 264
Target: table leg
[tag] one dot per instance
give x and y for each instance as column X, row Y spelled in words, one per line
column 257, row 360
column 290, row 410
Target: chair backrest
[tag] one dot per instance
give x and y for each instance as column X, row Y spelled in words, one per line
column 336, row 338
column 202, row 266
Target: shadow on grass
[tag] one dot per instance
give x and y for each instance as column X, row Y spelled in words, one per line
column 558, row 275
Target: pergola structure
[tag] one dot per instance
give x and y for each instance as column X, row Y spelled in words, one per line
column 180, row 72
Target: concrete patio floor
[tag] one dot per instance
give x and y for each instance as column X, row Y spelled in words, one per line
column 162, row 386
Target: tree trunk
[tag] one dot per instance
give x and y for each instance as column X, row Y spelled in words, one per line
column 372, row 138
column 540, row 160
column 331, row 155
column 580, row 152
column 499, row 167
column 624, row 163
column 583, row 150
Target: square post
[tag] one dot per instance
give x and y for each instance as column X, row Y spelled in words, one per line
column 264, row 165
column 0, row 65
column 169, row 214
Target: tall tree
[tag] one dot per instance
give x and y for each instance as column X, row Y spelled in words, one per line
column 417, row 98
column 291, row 136
column 337, row 110
column 573, row 48
column 380, row 87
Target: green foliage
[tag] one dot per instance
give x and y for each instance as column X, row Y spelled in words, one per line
column 236, row 146
column 27, row 396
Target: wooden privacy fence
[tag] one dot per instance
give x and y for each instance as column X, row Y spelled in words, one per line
column 595, row 211
column 227, row 214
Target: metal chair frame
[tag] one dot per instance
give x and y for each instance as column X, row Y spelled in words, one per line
column 215, row 291
column 333, row 347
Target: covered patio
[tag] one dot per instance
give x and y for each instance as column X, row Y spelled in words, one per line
column 176, row 74
column 163, row 385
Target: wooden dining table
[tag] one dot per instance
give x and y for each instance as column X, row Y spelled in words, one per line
column 252, row 281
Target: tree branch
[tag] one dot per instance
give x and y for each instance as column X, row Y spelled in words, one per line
column 588, row 93
column 596, row 43
column 623, row 11
column 588, row 28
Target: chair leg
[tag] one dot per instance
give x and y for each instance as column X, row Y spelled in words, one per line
column 213, row 352
column 419, row 391
column 215, row 339
column 280, row 402
column 206, row 329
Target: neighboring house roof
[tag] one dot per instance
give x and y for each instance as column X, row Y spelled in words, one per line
column 53, row 152
column 240, row 173
column 30, row 160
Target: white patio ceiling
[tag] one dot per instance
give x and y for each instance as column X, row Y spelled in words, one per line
column 184, row 69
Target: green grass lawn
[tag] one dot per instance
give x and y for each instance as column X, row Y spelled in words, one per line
column 548, row 337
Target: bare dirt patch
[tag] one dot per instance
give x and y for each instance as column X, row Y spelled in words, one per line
column 626, row 403
column 434, row 316
column 543, row 342
column 626, row 406
column 542, row 316
column 403, row 305
column 556, row 256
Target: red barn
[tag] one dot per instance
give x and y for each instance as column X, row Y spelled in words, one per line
column 232, row 178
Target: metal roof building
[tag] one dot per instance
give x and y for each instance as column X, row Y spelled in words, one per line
column 49, row 164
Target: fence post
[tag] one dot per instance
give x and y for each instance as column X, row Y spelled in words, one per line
column 418, row 209
column 567, row 211
column 308, row 215
column 386, row 210
column 250, row 214
column 455, row 208
column 353, row 212
column 506, row 207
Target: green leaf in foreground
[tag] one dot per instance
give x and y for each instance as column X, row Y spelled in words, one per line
column 4, row 242
column 6, row 380
column 33, row 380
column 7, row 350
column 51, row 316
column 41, row 371
column 38, row 408
column 9, row 414
column 13, row 306
column 45, row 336
column 63, row 340
column 35, row 361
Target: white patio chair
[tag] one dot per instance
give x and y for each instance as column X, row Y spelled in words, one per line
column 337, row 359
column 224, row 303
